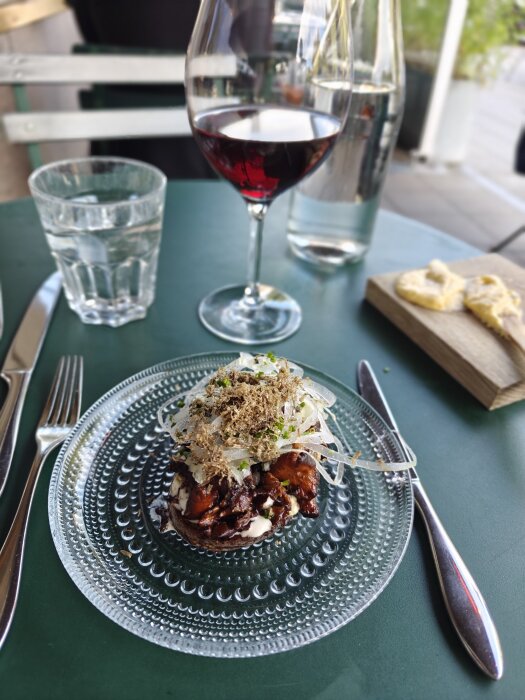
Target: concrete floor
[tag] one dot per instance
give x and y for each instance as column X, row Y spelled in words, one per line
column 483, row 200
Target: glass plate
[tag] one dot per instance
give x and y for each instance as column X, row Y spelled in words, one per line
column 304, row 582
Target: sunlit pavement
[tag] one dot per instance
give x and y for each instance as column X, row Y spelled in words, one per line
column 483, row 200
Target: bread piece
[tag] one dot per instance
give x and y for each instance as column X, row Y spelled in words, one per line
column 433, row 287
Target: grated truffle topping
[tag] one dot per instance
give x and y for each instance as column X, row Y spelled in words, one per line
column 253, row 410
column 246, row 410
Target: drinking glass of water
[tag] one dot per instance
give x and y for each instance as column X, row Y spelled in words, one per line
column 333, row 211
column 102, row 219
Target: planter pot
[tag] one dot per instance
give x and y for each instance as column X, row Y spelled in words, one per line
column 417, row 96
column 454, row 129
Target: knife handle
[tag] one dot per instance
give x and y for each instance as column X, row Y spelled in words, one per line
column 10, row 419
column 466, row 607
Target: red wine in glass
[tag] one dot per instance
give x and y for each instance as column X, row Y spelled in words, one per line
column 264, row 150
column 267, row 94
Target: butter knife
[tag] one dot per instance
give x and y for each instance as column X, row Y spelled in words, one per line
column 19, row 363
column 465, row 604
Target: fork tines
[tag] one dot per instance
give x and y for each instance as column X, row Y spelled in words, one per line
column 63, row 404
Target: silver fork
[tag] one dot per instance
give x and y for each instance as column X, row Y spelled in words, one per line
column 59, row 416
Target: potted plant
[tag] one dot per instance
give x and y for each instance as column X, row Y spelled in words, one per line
column 490, row 25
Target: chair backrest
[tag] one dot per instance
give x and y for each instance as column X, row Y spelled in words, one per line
column 26, row 126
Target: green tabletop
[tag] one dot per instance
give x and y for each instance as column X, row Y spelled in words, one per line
column 471, row 462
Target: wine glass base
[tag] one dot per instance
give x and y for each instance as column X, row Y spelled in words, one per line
column 226, row 313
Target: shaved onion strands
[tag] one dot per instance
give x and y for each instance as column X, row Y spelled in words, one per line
column 237, row 453
column 160, row 413
column 340, row 473
column 326, row 476
column 352, row 461
column 314, row 400
column 319, row 392
column 262, row 363
column 338, row 445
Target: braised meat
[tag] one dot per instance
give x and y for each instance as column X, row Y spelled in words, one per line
column 221, row 511
column 201, row 500
column 297, row 470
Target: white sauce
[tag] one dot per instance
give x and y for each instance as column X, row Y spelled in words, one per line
column 160, row 503
column 175, row 485
column 295, row 506
column 258, row 527
column 268, row 503
column 181, row 504
column 180, row 494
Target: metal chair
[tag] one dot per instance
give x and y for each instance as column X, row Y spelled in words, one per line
column 508, row 240
column 32, row 128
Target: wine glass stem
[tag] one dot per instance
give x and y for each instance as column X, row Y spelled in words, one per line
column 257, row 212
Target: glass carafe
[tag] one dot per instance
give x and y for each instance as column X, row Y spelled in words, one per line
column 333, row 211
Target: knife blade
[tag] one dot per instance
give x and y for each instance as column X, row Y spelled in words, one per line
column 465, row 604
column 19, row 363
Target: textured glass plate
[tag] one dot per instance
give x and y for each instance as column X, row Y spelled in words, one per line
column 295, row 587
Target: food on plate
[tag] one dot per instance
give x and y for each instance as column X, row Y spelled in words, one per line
column 433, row 287
column 222, row 515
column 246, row 458
column 493, row 302
column 250, row 444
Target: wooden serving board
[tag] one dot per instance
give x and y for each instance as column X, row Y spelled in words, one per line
column 487, row 365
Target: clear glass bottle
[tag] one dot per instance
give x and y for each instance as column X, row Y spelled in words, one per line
column 333, row 211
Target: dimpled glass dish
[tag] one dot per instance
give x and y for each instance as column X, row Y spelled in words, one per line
column 300, row 584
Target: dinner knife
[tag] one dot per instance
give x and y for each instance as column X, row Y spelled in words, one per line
column 465, row 604
column 19, row 363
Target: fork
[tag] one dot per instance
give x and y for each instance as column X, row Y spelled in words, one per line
column 59, row 416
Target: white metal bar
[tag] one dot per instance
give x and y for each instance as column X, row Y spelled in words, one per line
column 80, row 68
column 216, row 66
column 103, row 69
column 447, row 57
column 38, row 127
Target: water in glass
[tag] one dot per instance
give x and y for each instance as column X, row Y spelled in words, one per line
column 109, row 264
column 103, row 227
column 332, row 213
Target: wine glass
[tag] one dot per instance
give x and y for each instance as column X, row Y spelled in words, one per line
column 267, row 88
